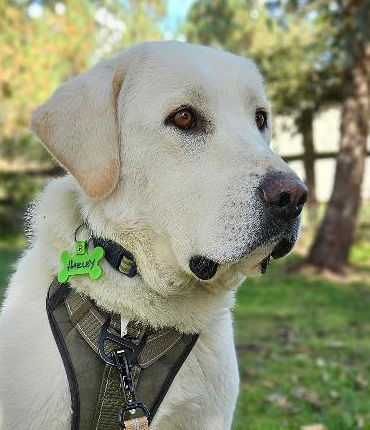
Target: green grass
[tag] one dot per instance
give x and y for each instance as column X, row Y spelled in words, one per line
column 304, row 351
column 303, row 345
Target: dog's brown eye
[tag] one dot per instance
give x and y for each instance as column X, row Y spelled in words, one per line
column 261, row 119
column 183, row 119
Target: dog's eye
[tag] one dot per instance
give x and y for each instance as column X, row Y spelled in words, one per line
column 261, row 119
column 184, row 119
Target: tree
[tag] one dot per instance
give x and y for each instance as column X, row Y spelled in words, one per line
column 289, row 49
column 42, row 44
column 36, row 54
column 332, row 244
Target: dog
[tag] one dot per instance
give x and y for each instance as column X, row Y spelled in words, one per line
column 167, row 151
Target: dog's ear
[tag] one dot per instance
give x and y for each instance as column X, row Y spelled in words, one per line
column 79, row 128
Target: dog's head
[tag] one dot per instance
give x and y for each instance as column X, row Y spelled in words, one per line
column 170, row 144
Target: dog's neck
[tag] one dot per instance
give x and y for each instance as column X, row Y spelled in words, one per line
column 190, row 307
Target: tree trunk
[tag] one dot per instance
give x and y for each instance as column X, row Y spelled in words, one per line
column 331, row 247
column 305, row 126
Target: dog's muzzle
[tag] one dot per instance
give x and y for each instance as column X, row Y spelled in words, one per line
column 282, row 196
column 205, row 269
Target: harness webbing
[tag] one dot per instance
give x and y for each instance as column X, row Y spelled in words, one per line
column 77, row 324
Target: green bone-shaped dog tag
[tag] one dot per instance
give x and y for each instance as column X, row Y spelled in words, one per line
column 81, row 262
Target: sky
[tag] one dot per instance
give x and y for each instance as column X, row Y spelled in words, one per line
column 176, row 13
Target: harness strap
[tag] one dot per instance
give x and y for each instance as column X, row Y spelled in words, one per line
column 162, row 356
column 89, row 320
column 108, row 402
column 59, row 326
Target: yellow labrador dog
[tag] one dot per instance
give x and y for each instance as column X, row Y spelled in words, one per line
column 167, row 149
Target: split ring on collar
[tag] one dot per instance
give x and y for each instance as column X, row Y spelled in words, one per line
column 79, row 228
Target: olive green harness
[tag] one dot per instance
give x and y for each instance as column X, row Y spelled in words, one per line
column 115, row 381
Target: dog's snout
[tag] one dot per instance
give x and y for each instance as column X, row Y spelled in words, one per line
column 285, row 193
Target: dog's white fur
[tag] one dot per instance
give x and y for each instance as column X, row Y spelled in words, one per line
column 162, row 194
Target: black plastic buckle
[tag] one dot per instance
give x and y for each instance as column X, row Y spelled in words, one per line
column 132, row 350
column 117, row 256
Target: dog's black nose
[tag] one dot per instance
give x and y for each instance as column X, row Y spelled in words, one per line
column 284, row 193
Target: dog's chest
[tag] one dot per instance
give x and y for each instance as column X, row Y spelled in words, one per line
column 206, row 387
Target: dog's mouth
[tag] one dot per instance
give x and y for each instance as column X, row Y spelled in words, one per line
column 205, row 268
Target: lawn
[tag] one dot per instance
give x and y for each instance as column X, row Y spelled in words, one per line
column 303, row 344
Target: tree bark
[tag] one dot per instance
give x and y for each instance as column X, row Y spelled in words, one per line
column 305, row 126
column 332, row 244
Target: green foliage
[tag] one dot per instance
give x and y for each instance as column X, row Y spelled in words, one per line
column 290, row 49
column 202, row 27
column 349, row 21
column 38, row 53
column 142, row 20
column 10, row 249
column 18, row 189
column 15, row 193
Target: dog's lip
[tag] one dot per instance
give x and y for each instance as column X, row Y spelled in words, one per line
column 278, row 249
column 282, row 248
column 264, row 264
column 205, row 268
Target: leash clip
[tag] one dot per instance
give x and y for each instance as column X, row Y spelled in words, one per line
column 124, row 370
column 128, row 388
column 122, row 359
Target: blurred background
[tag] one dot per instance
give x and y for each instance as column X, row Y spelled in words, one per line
column 303, row 329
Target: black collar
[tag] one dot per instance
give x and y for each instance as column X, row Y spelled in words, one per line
column 117, row 256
